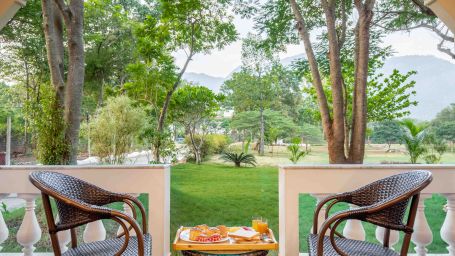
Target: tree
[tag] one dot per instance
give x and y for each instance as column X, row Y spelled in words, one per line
column 194, row 26
column 67, row 79
column 192, row 106
column 387, row 132
column 444, row 124
column 115, row 128
column 344, row 34
column 414, row 139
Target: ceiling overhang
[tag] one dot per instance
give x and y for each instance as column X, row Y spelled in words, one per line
column 445, row 9
column 8, row 9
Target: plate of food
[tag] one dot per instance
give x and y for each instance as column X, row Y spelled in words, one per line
column 204, row 234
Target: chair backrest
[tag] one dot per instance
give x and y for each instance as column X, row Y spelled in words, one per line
column 67, row 190
column 395, row 191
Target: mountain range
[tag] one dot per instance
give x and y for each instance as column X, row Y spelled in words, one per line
column 435, row 81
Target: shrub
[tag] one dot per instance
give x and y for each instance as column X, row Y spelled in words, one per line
column 239, row 158
column 295, row 151
column 115, row 128
column 212, row 144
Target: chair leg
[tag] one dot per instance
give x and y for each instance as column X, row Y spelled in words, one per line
column 405, row 246
column 55, row 244
column 73, row 238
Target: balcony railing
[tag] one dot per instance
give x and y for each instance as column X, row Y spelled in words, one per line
column 151, row 180
column 322, row 180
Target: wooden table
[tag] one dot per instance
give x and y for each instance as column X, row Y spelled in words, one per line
column 229, row 247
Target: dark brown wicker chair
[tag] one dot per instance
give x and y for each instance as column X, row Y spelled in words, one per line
column 383, row 203
column 79, row 203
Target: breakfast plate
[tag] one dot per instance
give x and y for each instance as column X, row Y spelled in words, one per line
column 185, row 236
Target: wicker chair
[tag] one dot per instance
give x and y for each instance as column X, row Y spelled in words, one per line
column 383, row 203
column 79, row 203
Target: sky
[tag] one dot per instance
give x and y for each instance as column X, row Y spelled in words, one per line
column 222, row 63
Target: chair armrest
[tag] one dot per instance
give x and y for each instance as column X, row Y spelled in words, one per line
column 337, row 198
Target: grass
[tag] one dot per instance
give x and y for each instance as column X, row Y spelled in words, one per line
column 221, row 194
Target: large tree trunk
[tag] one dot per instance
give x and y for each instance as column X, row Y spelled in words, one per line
column 262, row 132
column 75, row 81
column 359, row 109
column 335, row 144
column 335, row 125
column 69, row 94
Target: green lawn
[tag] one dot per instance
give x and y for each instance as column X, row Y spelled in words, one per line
column 220, row 194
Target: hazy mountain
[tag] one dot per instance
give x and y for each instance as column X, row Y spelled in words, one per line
column 435, row 81
column 213, row 83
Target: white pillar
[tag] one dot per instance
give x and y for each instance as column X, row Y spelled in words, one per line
column 4, row 232
column 8, row 141
column 321, row 216
column 29, row 232
column 64, row 237
column 422, row 235
column 448, row 227
column 127, row 209
column 94, row 231
column 354, row 228
column 394, row 236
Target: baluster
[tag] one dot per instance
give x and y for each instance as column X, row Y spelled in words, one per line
column 64, row 237
column 354, row 228
column 4, row 232
column 94, row 231
column 127, row 209
column 321, row 217
column 448, row 227
column 394, row 236
column 29, row 232
column 422, row 235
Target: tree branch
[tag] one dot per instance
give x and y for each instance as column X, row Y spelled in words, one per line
column 423, row 8
column 65, row 10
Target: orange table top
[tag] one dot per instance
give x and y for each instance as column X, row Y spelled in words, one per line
column 229, row 245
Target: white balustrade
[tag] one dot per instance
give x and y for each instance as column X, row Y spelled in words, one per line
column 151, row 180
column 330, row 179
column 4, row 232
column 422, row 236
column 354, row 228
column 448, row 228
column 94, row 231
column 29, row 232
column 64, row 237
column 393, row 239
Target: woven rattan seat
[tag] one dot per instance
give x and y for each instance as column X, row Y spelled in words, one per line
column 109, row 247
column 79, row 203
column 351, row 247
column 383, row 203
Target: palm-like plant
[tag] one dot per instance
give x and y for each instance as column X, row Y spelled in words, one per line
column 296, row 154
column 414, row 139
column 239, row 158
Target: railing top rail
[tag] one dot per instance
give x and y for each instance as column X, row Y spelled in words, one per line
column 79, row 167
column 368, row 166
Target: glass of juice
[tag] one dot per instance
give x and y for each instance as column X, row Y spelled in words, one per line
column 263, row 226
column 254, row 222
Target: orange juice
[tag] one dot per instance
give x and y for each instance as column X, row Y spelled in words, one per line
column 263, row 227
column 255, row 223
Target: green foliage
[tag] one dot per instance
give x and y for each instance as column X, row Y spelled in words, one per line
column 414, row 139
column 239, row 158
column 295, row 151
column 211, row 144
column 250, row 120
column 115, row 128
column 444, row 123
column 51, row 147
column 435, row 148
column 387, row 132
